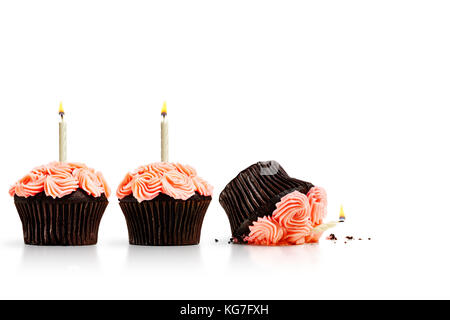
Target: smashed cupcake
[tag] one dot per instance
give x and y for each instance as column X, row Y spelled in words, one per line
column 164, row 204
column 265, row 206
column 61, row 204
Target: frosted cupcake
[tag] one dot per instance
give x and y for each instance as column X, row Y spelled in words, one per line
column 61, row 204
column 164, row 204
column 265, row 206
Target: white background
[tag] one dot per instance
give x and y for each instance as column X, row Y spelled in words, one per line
column 350, row 95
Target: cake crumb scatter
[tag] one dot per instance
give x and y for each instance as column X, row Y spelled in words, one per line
column 331, row 237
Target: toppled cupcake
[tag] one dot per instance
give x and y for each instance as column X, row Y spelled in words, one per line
column 61, row 204
column 164, row 204
column 265, row 206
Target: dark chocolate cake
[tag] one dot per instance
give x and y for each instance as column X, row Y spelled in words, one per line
column 164, row 221
column 72, row 220
column 254, row 192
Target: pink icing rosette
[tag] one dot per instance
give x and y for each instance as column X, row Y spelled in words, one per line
column 57, row 186
column 173, row 179
column 161, row 168
column 178, row 185
column 125, row 187
column 317, row 197
column 29, row 185
column 293, row 213
column 202, row 187
column 58, row 179
column 265, row 231
column 186, row 169
column 146, row 186
column 104, row 184
column 90, row 181
column 292, row 221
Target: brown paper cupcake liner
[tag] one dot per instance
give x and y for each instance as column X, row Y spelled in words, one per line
column 60, row 222
column 254, row 192
column 165, row 221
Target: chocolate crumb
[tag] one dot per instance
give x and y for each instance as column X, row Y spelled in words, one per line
column 359, row 239
column 349, row 237
column 216, row 240
column 331, row 237
column 369, row 238
column 345, row 241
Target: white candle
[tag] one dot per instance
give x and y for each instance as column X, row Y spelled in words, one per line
column 328, row 225
column 62, row 136
column 164, row 134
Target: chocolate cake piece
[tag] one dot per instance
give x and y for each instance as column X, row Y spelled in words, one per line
column 254, row 193
column 72, row 220
column 164, row 221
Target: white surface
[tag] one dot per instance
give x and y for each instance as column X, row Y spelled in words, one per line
column 351, row 95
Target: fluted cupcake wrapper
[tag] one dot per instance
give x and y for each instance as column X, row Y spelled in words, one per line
column 165, row 222
column 48, row 222
column 254, row 192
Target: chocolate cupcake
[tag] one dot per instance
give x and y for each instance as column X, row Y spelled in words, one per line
column 164, row 204
column 61, row 204
column 266, row 206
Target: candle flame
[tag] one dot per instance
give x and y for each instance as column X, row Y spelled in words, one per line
column 164, row 109
column 61, row 109
column 342, row 214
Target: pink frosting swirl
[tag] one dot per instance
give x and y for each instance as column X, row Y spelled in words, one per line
column 57, row 186
column 293, row 213
column 60, row 170
column 76, row 165
column 41, row 170
column 202, row 187
column 29, row 185
column 124, row 188
column 104, row 184
column 12, row 190
column 186, row 169
column 146, row 186
column 177, row 185
column 173, row 179
column 60, row 179
column 265, row 231
column 317, row 197
column 161, row 168
column 292, row 221
column 89, row 181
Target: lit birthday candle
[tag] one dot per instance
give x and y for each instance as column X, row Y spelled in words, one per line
column 328, row 225
column 342, row 214
column 164, row 134
column 62, row 136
